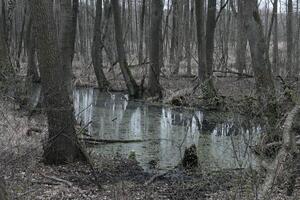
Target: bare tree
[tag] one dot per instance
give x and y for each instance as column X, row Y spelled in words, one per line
column 131, row 84
column 260, row 62
column 241, row 48
column 62, row 146
column 199, row 8
column 97, row 47
column 67, row 39
column 154, row 87
column 289, row 39
column 206, row 48
column 32, row 69
column 5, row 65
column 141, row 37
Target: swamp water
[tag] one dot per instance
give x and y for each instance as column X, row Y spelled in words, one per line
column 222, row 140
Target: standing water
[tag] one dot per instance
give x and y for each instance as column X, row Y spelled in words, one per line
column 222, row 141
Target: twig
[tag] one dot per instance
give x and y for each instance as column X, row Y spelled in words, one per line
column 153, row 178
column 58, row 180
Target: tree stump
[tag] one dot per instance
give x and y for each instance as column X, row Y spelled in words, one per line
column 190, row 158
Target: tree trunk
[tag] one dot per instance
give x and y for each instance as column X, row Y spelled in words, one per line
column 187, row 37
column 154, row 87
column 141, row 42
column 62, row 146
column 199, row 8
column 131, row 84
column 275, row 39
column 241, row 41
column 97, row 56
column 261, row 65
column 289, row 35
column 208, row 89
column 32, row 70
column 67, row 41
column 5, row 66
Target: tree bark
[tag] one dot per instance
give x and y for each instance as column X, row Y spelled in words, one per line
column 265, row 89
column 32, row 70
column 188, row 34
column 67, row 41
column 62, row 145
column 5, row 66
column 275, row 39
column 131, row 84
column 141, row 42
column 241, row 41
column 199, row 8
column 289, row 38
column 154, row 87
column 97, row 56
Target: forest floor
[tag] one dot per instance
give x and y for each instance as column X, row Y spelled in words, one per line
column 115, row 177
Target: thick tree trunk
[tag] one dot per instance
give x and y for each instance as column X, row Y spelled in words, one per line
column 154, row 87
column 97, row 56
column 210, row 36
column 199, row 8
column 67, row 41
column 208, row 89
column 133, row 88
column 265, row 89
column 62, row 146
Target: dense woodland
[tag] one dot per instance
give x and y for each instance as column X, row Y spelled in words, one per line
column 238, row 56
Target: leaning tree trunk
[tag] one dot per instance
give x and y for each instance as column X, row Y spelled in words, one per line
column 285, row 161
column 133, row 88
column 97, row 56
column 154, row 87
column 3, row 193
column 265, row 89
column 62, row 146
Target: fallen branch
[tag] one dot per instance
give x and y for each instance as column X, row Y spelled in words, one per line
column 106, row 141
column 58, row 180
column 153, row 178
column 233, row 72
column 283, row 157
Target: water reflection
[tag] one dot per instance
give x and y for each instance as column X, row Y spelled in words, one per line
column 222, row 141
